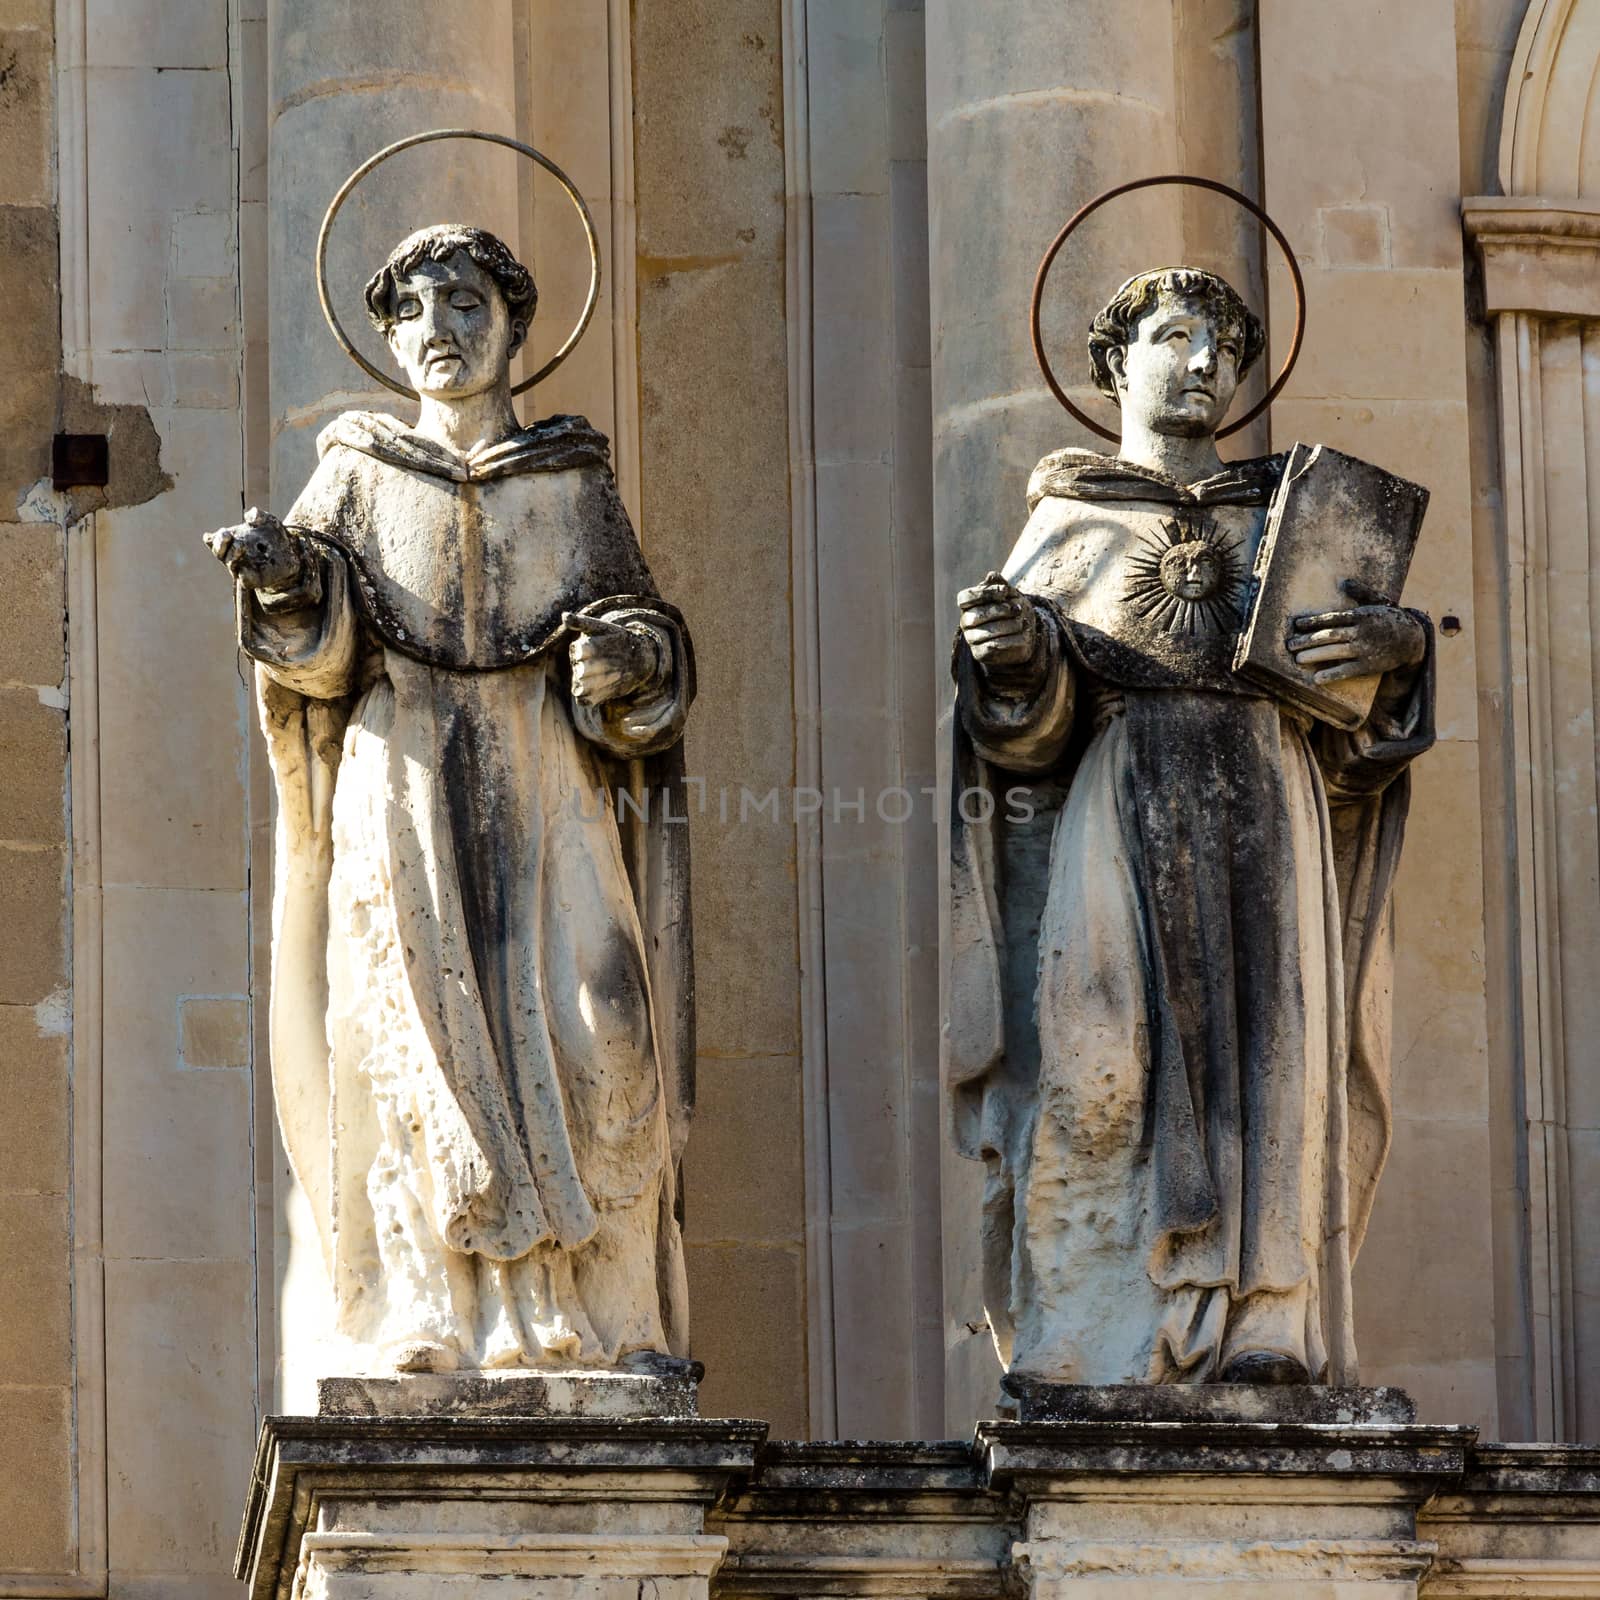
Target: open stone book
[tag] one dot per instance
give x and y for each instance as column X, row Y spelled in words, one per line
column 1334, row 520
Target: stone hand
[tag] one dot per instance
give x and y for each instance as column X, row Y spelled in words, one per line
column 259, row 552
column 1372, row 637
column 1001, row 627
column 609, row 660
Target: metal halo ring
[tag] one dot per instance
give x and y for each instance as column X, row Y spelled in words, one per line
column 1150, row 183
column 428, row 138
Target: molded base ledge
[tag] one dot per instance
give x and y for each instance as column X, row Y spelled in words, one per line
column 600, row 1566
column 1272, row 1510
column 585, row 1508
column 535, row 1507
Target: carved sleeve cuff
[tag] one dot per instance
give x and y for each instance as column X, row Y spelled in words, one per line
column 305, row 637
column 1399, row 728
column 650, row 719
column 1024, row 732
column 304, row 593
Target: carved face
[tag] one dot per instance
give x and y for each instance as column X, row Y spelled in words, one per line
column 1179, row 373
column 1191, row 571
column 451, row 331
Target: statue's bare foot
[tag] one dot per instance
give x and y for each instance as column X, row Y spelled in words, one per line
column 424, row 1355
column 1264, row 1366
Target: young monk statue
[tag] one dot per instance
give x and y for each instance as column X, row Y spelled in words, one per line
column 1168, row 995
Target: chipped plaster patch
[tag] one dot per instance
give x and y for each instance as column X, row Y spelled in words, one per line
column 43, row 502
column 53, row 1015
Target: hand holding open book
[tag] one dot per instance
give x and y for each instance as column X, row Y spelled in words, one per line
column 1338, row 530
column 1373, row 637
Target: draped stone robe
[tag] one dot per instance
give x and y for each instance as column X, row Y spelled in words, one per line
column 482, row 994
column 1167, row 1030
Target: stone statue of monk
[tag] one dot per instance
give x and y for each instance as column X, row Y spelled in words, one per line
column 1168, row 993
column 482, row 997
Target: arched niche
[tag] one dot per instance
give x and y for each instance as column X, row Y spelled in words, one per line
column 1550, row 141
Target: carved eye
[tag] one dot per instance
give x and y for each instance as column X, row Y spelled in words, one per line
column 465, row 300
column 408, row 309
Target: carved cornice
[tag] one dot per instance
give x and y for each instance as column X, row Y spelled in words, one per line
column 1540, row 257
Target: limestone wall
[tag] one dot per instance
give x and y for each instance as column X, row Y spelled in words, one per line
column 38, row 1528
column 129, row 1260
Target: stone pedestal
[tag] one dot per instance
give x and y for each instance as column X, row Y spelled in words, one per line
column 535, row 1488
column 557, row 1486
column 1155, row 1492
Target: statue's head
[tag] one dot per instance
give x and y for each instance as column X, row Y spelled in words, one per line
column 454, row 305
column 1172, row 347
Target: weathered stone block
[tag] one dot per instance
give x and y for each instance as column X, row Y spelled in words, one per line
column 1158, row 1508
column 36, row 1317
column 214, row 1033
column 1207, row 1402
column 36, row 1480
column 33, row 1089
column 559, row 1508
column 747, row 1298
column 669, row 1392
column 29, row 280
column 32, row 595
column 1356, row 236
column 743, row 1175
column 27, row 105
column 180, row 1399
column 161, row 151
column 708, row 130
column 32, row 924
column 33, row 775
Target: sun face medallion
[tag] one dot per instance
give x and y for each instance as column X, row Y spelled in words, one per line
column 1187, row 577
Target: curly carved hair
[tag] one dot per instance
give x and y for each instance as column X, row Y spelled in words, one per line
column 439, row 243
column 1114, row 328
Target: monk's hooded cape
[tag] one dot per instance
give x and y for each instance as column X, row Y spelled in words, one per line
column 427, row 636
column 1210, row 818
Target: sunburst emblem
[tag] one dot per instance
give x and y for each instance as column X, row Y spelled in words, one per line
column 1187, row 577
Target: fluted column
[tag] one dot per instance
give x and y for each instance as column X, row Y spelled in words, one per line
column 344, row 81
